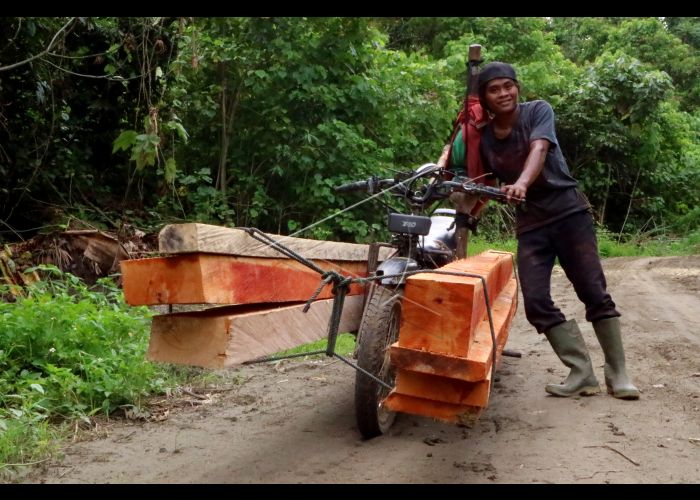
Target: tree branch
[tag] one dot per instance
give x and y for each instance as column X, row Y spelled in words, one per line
column 99, row 77
column 40, row 54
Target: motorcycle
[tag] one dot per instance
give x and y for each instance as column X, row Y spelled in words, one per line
column 421, row 242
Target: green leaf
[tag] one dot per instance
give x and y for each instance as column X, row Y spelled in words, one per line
column 170, row 169
column 159, row 72
column 177, row 127
column 37, row 388
column 125, row 140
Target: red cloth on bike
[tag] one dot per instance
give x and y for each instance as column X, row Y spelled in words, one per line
column 471, row 124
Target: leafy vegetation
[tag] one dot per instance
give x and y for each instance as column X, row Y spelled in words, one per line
column 252, row 121
column 68, row 353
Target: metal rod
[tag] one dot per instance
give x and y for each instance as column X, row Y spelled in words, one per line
column 265, row 360
column 362, row 370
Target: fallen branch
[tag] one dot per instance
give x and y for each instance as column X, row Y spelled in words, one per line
column 198, row 396
column 598, row 472
column 616, row 451
column 124, row 438
column 26, row 464
column 66, row 472
column 197, row 402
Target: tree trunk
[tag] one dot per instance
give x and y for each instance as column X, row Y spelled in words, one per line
column 221, row 179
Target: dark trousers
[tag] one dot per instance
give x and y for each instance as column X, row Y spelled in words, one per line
column 571, row 239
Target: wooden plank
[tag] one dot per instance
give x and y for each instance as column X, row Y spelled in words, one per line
column 439, row 410
column 441, row 312
column 477, row 363
column 225, row 279
column 446, row 390
column 227, row 336
column 195, row 237
column 99, row 247
column 495, row 267
column 436, row 376
column 503, row 312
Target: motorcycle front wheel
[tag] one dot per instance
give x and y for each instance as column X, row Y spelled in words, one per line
column 378, row 330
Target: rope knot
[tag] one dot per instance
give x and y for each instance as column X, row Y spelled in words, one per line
column 329, row 276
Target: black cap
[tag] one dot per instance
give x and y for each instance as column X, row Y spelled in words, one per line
column 495, row 70
column 490, row 72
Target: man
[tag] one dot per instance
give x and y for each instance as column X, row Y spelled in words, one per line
column 519, row 146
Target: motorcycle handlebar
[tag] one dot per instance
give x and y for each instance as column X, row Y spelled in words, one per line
column 432, row 191
column 490, row 192
column 371, row 185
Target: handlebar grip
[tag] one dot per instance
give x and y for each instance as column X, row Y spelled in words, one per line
column 491, row 192
column 352, row 186
column 494, row 191
column 372, row 185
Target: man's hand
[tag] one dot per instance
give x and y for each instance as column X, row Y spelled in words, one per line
column 517, row 191
column 532, row 168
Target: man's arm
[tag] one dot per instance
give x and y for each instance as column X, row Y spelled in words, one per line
column 531, row 170
column 442, row 161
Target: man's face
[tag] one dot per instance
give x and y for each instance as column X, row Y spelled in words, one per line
column 501, row 95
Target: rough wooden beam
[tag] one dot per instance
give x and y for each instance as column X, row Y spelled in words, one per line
column 439, row 410
column 194, row 237
column 227, row 336
column 225, row 279
column 495, row 267
column 477, row 363
column 441, row 312
column 444, row 363
column 446, row 390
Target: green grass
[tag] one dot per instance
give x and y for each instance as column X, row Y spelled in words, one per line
column 478, row 245
column 24, row 443
column 344, row 345
column 609, row 246
column 643, row 246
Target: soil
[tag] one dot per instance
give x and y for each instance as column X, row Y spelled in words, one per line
column 293, row 421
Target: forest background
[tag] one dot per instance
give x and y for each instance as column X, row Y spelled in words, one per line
column 253, row 121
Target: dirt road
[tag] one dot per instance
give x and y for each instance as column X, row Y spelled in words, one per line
column 294, row 422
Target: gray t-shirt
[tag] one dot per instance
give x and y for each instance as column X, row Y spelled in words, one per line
column 553, row 195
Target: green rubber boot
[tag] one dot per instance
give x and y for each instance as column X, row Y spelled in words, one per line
column 568, row 344
column 616, row 379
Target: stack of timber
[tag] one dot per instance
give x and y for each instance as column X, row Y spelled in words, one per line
column 444, row 354
column 263, row 291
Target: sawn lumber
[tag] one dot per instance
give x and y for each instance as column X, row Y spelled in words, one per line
column 227, row 336
column 194, row 237
column 225, row 279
